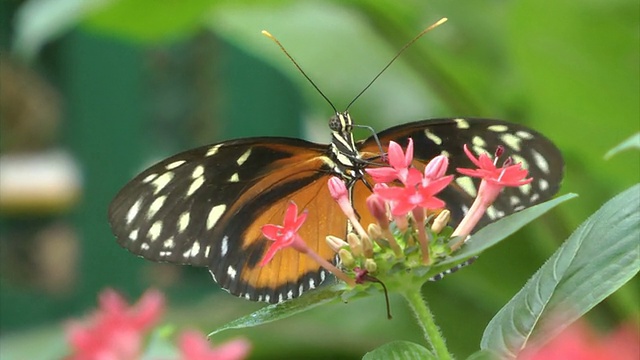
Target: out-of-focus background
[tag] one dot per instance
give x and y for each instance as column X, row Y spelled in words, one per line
column 92, row 91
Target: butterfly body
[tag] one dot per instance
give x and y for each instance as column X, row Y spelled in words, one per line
column 206, row 206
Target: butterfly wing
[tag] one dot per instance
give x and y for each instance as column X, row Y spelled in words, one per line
column 447, row 136
column 206, row 206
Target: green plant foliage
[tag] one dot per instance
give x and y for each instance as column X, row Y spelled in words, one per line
column 283, row 310
column 399, row 350
column 493, row 233
column 598, row 258
column 631, row 143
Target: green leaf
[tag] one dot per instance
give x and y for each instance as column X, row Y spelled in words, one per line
column 495, row 232
column 631, row 143
column 399, row 350
column 482, row 355
column 596, row 260
column 285, row 309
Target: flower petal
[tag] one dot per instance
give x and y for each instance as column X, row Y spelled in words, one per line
column 272, row 232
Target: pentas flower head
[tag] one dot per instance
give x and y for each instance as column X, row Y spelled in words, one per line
column 116, row 330
column 404, row 199
column 195, row 346
column 400, row 166
column 285, row 235
column 494, row 179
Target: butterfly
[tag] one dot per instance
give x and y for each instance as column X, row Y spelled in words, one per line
column 205, row 207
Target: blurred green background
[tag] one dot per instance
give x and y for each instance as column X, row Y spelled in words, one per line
column 115, row 85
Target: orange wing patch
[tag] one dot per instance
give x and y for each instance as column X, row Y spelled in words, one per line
column 289, row 273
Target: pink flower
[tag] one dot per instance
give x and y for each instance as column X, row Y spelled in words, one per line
column 494, row 179
column 285, row 235
column 194, row 346
column 400, row 166
column 115, row 331
column 436, row 168
column 405, row 199
column 580, row 342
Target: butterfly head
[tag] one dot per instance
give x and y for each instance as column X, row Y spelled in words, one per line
column 341, row 123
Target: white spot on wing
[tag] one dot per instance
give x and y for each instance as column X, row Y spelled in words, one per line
column 543, row 184
column 206, row 251
column 478, row 141
column 234, row 178
column 517, row 159
column 492, row 213
column 524, row 135
column 214, row 215
column 433, row 137
column 169, row 243
column 133, row 236
column 224, row 247
column 498, row 128
column 540, row 161
column 183, row 221
column 155, row 206
column 479, row 150
column 133, row 211
column 525, row 189
column 214, row 149
column 461, row 123
column 144, row 246
column 161, row 181
column 514, row 200
column 243, row 157
column 231, row 272
column 155, row 230
column 174, row 164
column 467, row 185
column 197, row 172
column 195, row 185
column 445, row 153
column 149, row 177
column 511, row 141
column 195, row 248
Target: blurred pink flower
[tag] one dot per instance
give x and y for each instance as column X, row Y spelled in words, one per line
column 115, row 330
column 194, row 346
column 580, row 342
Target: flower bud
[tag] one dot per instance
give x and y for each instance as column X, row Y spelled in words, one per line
column 354, row 244
column 335, row 243
column 367, row 246
column 436, row 168
column 370, row 265
column 375, row 233
column 378, row 208
column 441, row 221
column 346, row 258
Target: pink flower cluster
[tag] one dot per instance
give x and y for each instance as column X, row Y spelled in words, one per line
column 404, row 190
column 116, row 331
column 580, row 342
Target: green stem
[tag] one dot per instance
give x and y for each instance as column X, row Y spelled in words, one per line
column 427, row 323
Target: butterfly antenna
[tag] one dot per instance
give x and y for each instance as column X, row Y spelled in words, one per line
column 268, row 34
column 436, row 24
